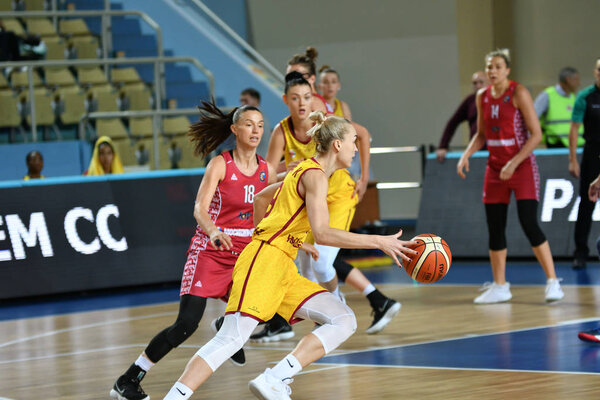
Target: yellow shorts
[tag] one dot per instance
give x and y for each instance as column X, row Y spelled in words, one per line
column 266, row 281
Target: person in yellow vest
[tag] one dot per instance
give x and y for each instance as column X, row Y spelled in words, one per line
column 266, row 280
column 554, row 106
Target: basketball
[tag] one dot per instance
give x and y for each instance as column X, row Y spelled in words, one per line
column 432, row 261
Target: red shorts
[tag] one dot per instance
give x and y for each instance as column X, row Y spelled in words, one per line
column 207, row 273
column 525, row 182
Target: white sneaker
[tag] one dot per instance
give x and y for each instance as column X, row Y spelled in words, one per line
column 494, row 293
column 553, row 290
column 267, row 387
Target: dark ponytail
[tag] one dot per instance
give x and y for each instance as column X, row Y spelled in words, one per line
column 214, row 126
column 294, row 78
column 307, row 59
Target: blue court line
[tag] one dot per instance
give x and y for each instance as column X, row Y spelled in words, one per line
column 554, row 349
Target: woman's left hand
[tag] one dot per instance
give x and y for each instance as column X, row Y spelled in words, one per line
column 507, row 171
column 360, row 188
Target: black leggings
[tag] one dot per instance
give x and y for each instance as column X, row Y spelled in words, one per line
column 191, row 309
column 496, row 214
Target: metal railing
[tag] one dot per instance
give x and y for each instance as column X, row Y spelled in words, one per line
column 278, row 76
column 157, row 61
column 402, row 149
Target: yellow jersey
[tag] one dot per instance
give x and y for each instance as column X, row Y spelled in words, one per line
column 285, row 224
column 295, row 149
column 338, row 109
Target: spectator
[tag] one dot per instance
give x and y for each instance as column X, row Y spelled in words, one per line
column 467, row 111
column 35, row 164
column 9, row 45
column 554, row 106
column 250, row 97
column 105, row 159
column 587, row 112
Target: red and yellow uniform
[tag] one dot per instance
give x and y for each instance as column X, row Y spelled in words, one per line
column 338, row 109
column 265, row 279
column 341, row 203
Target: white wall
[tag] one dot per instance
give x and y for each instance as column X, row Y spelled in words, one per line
column 398, row 63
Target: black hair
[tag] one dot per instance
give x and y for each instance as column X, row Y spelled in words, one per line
column 252, row 93
column 214, row 126
column 565, row 73
column 294, row 78
column 30, row 155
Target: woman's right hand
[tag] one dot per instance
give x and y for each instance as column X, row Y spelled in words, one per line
column 574, row 168
column 220, row 240
column 463, row 164
column 394, row 247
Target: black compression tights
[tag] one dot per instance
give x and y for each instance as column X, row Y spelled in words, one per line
column 496, row 220
column 191, row 309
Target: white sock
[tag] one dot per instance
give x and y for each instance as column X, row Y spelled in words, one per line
column 144, row 363
column 286, row 368
column 179, row 392
column 369, row 289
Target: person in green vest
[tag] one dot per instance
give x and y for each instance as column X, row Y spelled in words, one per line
column 554, row 106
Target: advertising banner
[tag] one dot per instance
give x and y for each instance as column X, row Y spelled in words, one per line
column 452, row 207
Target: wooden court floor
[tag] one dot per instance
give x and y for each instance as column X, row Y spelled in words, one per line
column 79, row 355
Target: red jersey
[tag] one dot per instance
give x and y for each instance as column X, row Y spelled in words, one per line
column 505, row 129
column 328, row 107
column 231, row 206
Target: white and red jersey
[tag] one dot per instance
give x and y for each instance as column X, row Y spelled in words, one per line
column 328, row 106
column 231, row 206
column 505, row 129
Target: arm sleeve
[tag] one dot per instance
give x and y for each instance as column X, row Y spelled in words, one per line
column 541, row 104
column 460, row 115
column 579, row 107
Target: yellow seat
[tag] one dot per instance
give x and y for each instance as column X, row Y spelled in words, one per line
column 44, row 114
column 91, row 76
column 60, row 77
column 176, row 125
column 55, row 48
column 126, row 150
column 85, row 46
column 141, row 127
column 35, row 5
column 139, row 99
column 12, row 24
column 120, row 76
column 20, row 79
column 40, row 26
column 3, row 82
column 74, row 106
column 6, row 5
column 143, row 150
column 73, row 27
column 112, row 127
column 9, row 111
column 188, row 160
column 107, row 101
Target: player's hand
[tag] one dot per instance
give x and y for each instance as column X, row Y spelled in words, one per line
column 508, row 170
column 463, row 164
column 441, row 154
column 219, row 240
column 293, row 164
column 574, row 168
column 360, row 188
column 395, row 248
column 310, row 250
column 594, row 189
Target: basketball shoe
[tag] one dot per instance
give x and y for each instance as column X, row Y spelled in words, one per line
column 383, row 315
column 128, row 389
column 268, row 387
column 553, row 290
column 274, row 330
column 239, row 358
column 592, row 336
column 494, row 293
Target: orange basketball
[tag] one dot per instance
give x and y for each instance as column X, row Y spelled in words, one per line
column 432, row 261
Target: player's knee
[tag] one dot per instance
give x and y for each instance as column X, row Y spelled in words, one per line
column 346, row 324
column 342, row 268
column 181, row 330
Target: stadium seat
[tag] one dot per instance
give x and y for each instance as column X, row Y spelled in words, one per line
column 176, row 125
column 74, row 106
column 6, row 5
column 41, row 27
column 145, row 145
column 55, row 48
column 4, row 86
column 11, row 24
column 138, row 95
column 9, row 111
column 85, row 46
column 126, row 150
column 59, row 77
column 112, row 128
column 20, row 79
column 73, row 27
column 35, row 5
column 121, row 76
column 141, row 127
column 91, row 76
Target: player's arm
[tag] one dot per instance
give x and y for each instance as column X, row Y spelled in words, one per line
column 275, row 151
column 476, row 142
column 313, row 187
column 346, row 110
column 214, row 173
column 316, row 104
column 262, row 200
column 364, row 152
column 272, row 173
column 573, row 136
